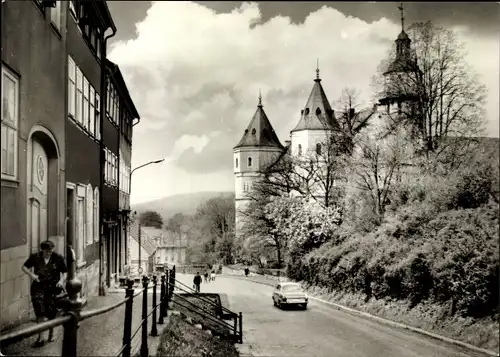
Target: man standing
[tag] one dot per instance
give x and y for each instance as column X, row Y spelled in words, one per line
column 49, row 273
column 197, row 282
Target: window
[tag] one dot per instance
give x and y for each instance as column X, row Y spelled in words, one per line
column 124, row 176
column 86, row 103
column 96, row 215
column 249, row 162
column 300, row 149
column 55, row 15
column 10, row 122
column 89, row 201
column 71, row 86
column 97, row 116
column 111, row 172
column 79, row 96
column 318, row 148
column 236, row 162
column 98, row 42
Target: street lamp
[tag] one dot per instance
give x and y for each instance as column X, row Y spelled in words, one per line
column 130, row 191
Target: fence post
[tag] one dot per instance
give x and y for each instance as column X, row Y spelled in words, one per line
column 127, row 326
column 235, row 327
column 69, row 345
column 144, row 339
column 162, row 300
column 241, row 328
column 154, row 330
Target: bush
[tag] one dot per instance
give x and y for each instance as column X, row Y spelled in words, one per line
column 450, row 258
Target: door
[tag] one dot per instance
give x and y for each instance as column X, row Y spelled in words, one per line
column 38, row 189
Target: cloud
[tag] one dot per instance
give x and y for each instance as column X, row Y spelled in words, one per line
column 193, row 72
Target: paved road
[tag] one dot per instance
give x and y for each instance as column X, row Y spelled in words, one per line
column 319, row 331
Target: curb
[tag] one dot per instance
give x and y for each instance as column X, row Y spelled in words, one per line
column 389, row 322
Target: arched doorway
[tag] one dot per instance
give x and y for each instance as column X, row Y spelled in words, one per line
column 42, row 190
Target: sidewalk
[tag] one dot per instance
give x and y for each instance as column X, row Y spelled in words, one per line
column 97, row 336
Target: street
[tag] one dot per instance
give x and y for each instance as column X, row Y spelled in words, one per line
column 319, row 331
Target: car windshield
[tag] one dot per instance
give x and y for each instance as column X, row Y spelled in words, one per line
column 291, row 288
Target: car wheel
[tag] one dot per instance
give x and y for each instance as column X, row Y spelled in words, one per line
column 304, row 307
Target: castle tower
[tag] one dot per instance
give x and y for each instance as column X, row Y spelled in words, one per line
column 317, row 122
column 398, row 77
column 258, row 146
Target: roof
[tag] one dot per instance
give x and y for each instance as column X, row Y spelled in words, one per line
column 260, row 132
column 116, row 74
column 317, row 113
column 106, row 15
column 146, row 242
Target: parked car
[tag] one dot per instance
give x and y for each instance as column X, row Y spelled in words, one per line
column 289, row 294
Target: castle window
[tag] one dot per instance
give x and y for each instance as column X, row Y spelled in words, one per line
column 249, row 162
column 318, row 148
column 236, row 162
column 300, row 150
column 318, row 111
column 307, row 111
column 253, row 131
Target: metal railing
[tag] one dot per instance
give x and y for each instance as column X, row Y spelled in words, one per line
column 236, row 328
column 73, row 316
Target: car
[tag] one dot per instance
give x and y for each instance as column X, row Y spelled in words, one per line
column 289, row 294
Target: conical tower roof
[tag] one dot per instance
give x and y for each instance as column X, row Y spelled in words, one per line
column 317, row 113
column 260, row 132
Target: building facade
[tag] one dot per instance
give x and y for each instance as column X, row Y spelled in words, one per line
column 87, row 23
column 170, row 247
column 141, row 251
column 120, row 117
column 54, row 136
column 33, row 160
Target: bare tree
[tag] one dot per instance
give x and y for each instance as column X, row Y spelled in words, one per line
column 377, row 161
column 445, row 95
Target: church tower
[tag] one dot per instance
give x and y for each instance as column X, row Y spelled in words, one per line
column 258, row 146
column 317, row 122
column 400, row 75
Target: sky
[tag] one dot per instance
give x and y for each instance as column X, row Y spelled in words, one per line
column 194, row 71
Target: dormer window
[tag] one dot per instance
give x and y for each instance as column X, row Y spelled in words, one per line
column 307, row 111
column 300, row 149
column 249, row 162
column 253, row 131
column 318, row 111
column 318, row 148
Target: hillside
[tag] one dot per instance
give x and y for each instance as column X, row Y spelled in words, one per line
column 183, row 203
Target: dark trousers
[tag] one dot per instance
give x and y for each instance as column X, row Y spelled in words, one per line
column 197, row 287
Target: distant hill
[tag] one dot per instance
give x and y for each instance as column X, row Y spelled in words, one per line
column 183, row 203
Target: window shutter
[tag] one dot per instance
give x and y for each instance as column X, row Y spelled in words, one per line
column 90, row 214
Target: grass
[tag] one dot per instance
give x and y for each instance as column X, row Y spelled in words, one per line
column 181, row 339
column 434, row 318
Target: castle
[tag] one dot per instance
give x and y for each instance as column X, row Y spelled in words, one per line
column 260, row 145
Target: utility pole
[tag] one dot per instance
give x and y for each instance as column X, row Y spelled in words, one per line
column 140, row 249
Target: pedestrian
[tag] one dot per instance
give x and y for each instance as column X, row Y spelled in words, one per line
column 247, row 271
column 212, row 275
column 197, row 282
column 49, row 273
column 206, row 276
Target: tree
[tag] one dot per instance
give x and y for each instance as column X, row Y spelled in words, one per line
column 378, row 161
column 177, row 223
column 151, row 219
column 447, row 99
column 212, row 235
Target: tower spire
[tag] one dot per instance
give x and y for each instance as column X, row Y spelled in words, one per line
column 400, row 7
column 260, row 99
column 317, row 69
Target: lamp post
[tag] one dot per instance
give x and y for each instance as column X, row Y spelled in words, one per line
column 129, row 192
